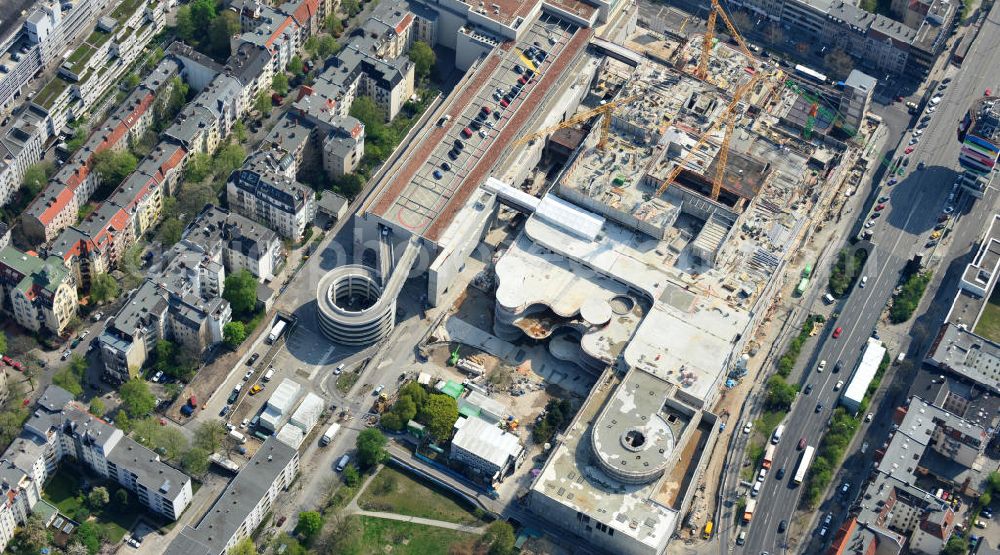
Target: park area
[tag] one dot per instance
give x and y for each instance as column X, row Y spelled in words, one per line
column 113, row 519
column 392, row 491
column 376, row 535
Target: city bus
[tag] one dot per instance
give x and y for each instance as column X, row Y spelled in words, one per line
column 804, row 462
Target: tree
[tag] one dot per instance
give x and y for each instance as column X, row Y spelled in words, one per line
column 371, row 448
column 499, row 538
column 423, row 58
column 223, row 27
column 3, row 342
column 984, row 499
column 240, row 131
column 244, row 547
column 439, row 415
column 870, row 6
column 402, row 412
column 89, row 537
column 104, row 288
column 365, row 109
column 113, row 166
column 98, row 498
column 209, row 435
column 780, row 394
column 185, row 25
column 351, row 476
column 121, row 497
column 241, row 292
column 67, row 380
column 333, row 25
column 350, row 184
column 233, row 334
column 956, row 546
column 295, row 65
column 195, row 461
column 310, row 524
column 839, row 63
column 97, row 406
column 228, row 158
column 351, row 7
column 328, row 46
column 34, row 536
column 279, row 83
column 202, row 15
column 35, row 178
column 311, row 46
column 262, row 103
column 171, row 231
column 136, row 398
column 199, row 167
column 172, row 442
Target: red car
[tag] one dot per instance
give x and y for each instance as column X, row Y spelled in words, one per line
column 504, row 102
column 880, row 207
column 486, row 110
column 908, row 150
column 467, row 133
column 17, row 366
column 989, row 92
column 837, row 332
column 523, row 80
column 802, row 443
column 7, row 360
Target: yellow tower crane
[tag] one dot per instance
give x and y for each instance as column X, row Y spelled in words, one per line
column 717, row 11
column 605, row 109
column 727, row 117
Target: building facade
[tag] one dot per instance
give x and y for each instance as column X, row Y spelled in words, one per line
column 39, row 293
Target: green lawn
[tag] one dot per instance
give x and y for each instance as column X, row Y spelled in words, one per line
column 347, row 380
column 62, row 491
column 394, row 492
column 367, row 535
column 989, row 322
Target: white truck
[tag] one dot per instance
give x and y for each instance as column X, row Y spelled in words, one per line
column 329, row 433
column 276, row 331
column 224, row 462
column 238, row 436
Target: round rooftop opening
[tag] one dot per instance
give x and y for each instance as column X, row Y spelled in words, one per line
column 355, row 293
column 622, row 304
column 633, row 439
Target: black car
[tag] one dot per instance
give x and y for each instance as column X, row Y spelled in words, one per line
column 459, row 145
column 445, row 166
column 224, row 411
column 782, row 526
column 837, row 367
column 781, row 473
column 819, row 407
column 518, row 68
column 253, row 358
column 476, row 125
column 453, row 154
column 232, row 397
column 808, row 389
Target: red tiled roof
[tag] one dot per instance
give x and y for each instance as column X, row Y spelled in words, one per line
column 404, row 23
column 306, row 11
column 277, row 32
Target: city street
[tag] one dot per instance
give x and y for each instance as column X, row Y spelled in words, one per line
column 902, row 231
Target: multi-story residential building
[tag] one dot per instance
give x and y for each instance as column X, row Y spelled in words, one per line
column 59, row 430
column 880, row 43
column 100, row 62
column 270, row 28
column 243, row 243
column 265, row 190
column 56, row 208
column 242, row 506
column 39, row 40
column 20, row 147
column 179, row 301
column 38, row 293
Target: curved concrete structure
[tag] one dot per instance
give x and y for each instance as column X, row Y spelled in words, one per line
column 356, row 306
column 351, row 307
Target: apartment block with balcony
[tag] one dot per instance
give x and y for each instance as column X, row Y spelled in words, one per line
column 39, row 293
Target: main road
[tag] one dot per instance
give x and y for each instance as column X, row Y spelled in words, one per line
column 914, row 207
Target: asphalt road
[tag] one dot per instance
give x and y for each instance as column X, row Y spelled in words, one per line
column 911, row 213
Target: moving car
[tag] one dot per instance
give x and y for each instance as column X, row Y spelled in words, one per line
column 864, row 281
column 782, row 526
column 840, row 384
column 837, row 367
column 808, row 389
column 837, row 332
column 802, row 443
column 780, row 474
column 822, row 365
column 819, row 407
column 868, row 417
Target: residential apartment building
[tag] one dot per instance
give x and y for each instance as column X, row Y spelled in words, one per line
column 243, row 243
column 60, row 430
column 242, row 506
column 878, row 42
column 930, row 449
column 58, row 205
column 39, row 293
column 181, row 301
column 103, row 59
column 341, row 138
column 265, row 190
column 20, row 146
column 37, row 41
column 270, row 28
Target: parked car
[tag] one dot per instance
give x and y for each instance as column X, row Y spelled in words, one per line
column 224, row 411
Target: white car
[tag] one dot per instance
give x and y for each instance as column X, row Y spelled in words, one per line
column 339, row 369
column 747, row 427
column 248, row 375
column 864, row 281
column 158, row 376
column 822, row 365
column 839, row 385
column 869, row 416
column 97, row 316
